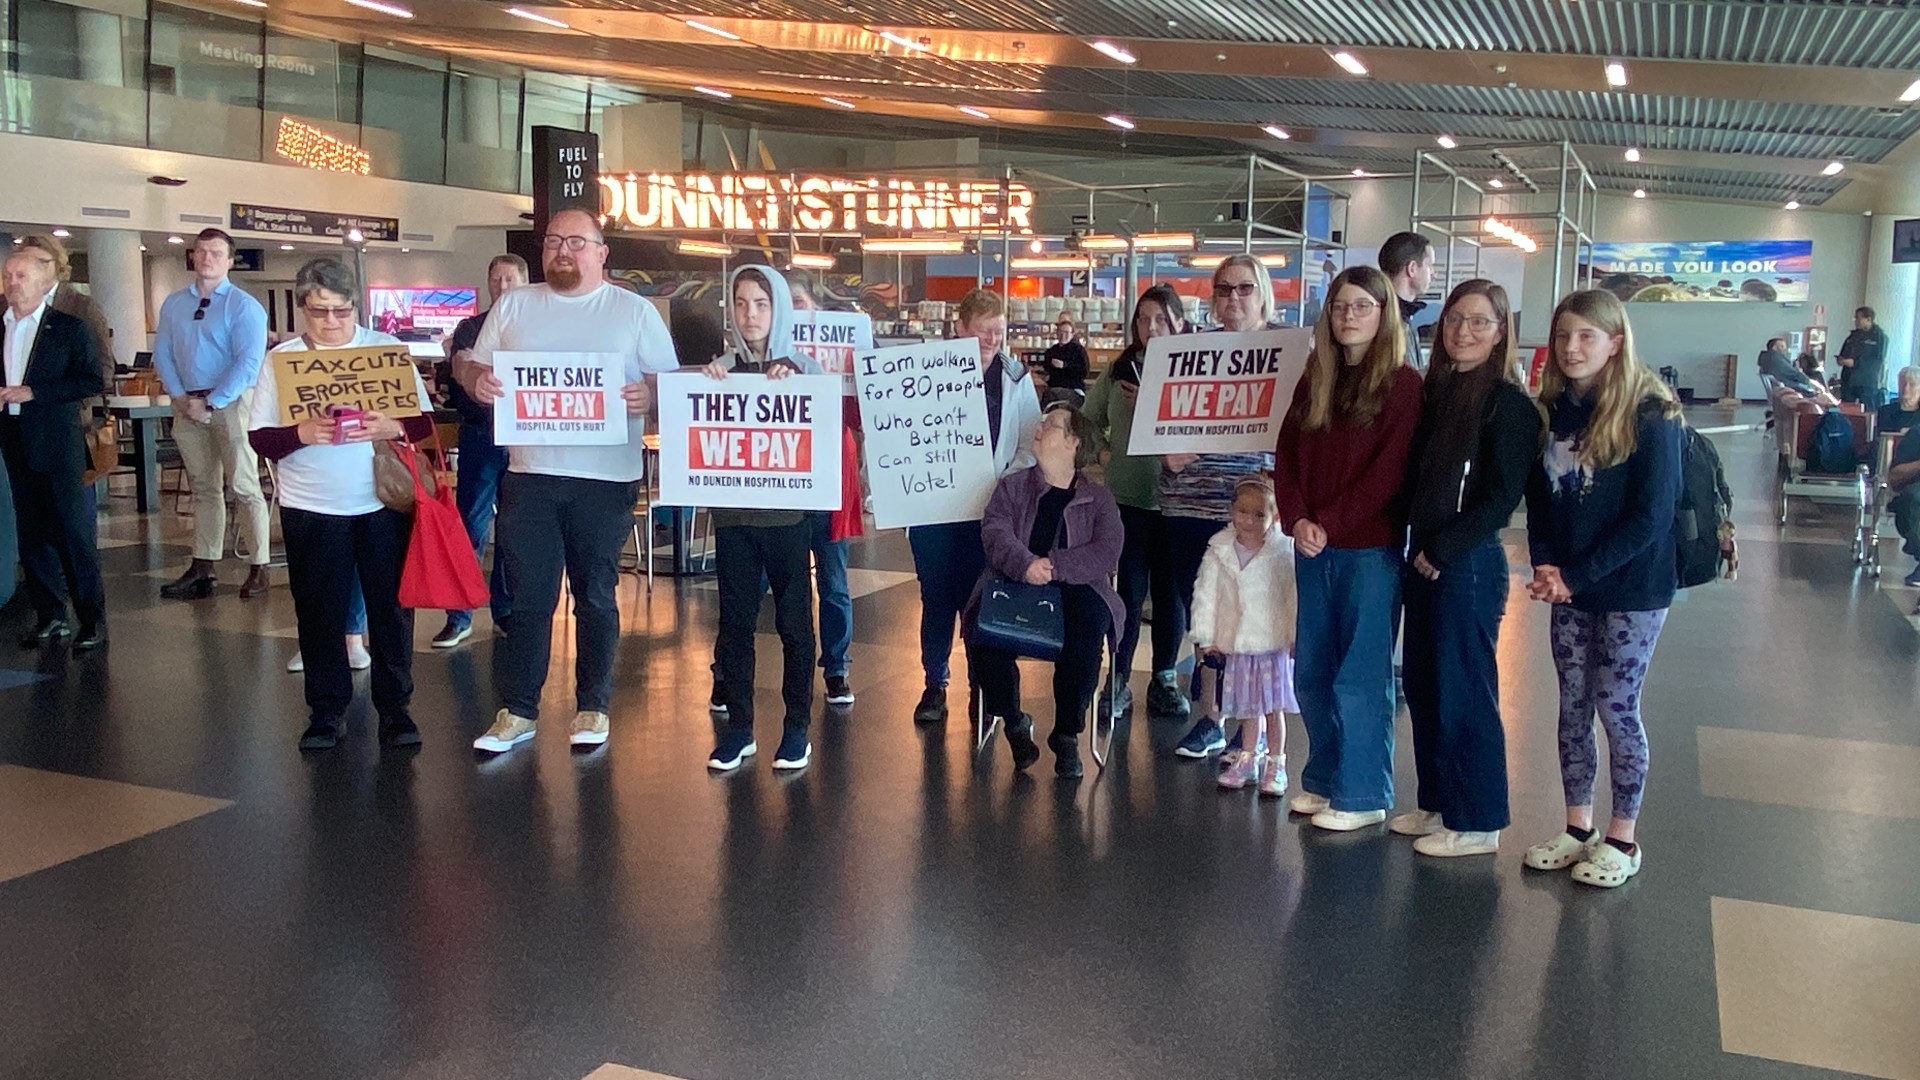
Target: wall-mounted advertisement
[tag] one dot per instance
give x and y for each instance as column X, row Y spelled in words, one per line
column 1759, row 271
column 399, row 311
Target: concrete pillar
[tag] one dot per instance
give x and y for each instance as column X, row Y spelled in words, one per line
column 101, row 59
column 116, row 278
column 482, row 111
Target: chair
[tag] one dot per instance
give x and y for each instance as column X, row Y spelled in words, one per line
column 1795, row 480
column 1882, row 496
column 1100, row 730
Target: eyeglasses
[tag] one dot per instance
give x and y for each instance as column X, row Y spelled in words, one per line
column 329, row 312
column 1479, row 324
column 571, row 243
column 201, row 311
column 1359, row 309
column 1241, row 289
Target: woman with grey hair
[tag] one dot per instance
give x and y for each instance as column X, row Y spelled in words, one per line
column 335, row 528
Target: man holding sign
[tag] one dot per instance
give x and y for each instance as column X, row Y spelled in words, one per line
column 566, row 507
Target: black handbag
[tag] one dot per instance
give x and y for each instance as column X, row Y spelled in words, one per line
column 1025, row 620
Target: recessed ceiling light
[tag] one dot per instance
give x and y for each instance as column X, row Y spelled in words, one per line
column 1036, row 247
column 1912, row 93
column 1350, row 62
column 1793, row 204
column 711, row 92
column 286, row 247
column 1633, row 153
column 903, row 41
column 1496, row 182
column 1114, row 51
column 1639, row 193
column 1120, row 122
column 1359, row 172
column 251, row 3
column 1833, row 168
column 61, row 233
column 1446, row 142
column 1277, row 132
column 977, row 114
column 714, row 30
column 175, row 240
column 837, row 102
column 534, row 16
column 1616, row 73
column 394, row 10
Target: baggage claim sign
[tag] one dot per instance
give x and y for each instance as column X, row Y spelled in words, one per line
column 781, row 203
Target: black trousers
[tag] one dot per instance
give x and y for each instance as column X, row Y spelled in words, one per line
column 1185, row 541
column 58, row 546
column 1076, row 675
column 1905, row 508
column 749, row 559
column 324, row 552
column 550, row 524
column 1143, row 572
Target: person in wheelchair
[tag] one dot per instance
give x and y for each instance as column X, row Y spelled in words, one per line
column 1051, row 525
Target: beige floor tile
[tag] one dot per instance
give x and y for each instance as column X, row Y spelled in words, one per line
column 621, row 1072
column 54, row 817
column 1811, row 771
column 1818, row 988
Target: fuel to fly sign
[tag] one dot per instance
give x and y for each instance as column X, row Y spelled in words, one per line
column 779, row 203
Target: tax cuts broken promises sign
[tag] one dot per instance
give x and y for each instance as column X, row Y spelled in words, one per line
column 560, row 399
column 1217, row 393
column 376, row 378
column 924, row 410
column 749, row 442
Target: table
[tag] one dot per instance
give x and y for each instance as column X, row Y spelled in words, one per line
column 145, row 457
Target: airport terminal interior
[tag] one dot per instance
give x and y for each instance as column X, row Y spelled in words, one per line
column 188, row 892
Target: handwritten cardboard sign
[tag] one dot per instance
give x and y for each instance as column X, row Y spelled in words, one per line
column 560, row 399
column 833, row 339
column 924, row 410
column 748, row 442
column 1217, row 393
column 373, row 378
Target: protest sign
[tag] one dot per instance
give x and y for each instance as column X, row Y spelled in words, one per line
column 1217, row 393
column 375, row 378
column 749, row 442
column 560, row 399
column 833, row 338
column 924, row 411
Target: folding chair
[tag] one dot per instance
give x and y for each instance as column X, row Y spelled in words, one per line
column 1100, row 730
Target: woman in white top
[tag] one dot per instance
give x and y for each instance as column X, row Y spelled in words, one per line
column 334, row 526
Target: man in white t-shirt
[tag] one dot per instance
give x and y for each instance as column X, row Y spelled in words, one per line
column 566, row 507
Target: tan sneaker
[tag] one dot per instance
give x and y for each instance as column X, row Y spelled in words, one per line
column 507, row 732
column 1416, row 823
column 589, row 729
column 1307, row 803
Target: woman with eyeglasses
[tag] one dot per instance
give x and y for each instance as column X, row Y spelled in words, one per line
column 1134, row 481
column 1340, row 481
column 336, row 531
column 1478, row 441
column 1195, row 492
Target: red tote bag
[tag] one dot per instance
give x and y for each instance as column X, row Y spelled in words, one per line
column 441, row 572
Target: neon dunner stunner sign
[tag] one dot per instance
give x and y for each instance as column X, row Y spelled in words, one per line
column 762, row 202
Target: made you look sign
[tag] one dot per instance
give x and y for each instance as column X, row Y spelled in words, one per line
column 1217, row 393
column 376, row 378
column 750, row 442
column 560, row 399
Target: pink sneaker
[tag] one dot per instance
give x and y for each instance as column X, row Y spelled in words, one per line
column 1243, row 768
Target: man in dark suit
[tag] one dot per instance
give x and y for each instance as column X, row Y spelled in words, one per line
column 49, row 363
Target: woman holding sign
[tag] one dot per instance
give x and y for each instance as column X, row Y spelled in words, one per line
column 335, row 528
column 948, row 559
column 1340, row 480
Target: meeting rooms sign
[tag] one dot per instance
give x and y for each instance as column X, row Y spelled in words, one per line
column 784, row 203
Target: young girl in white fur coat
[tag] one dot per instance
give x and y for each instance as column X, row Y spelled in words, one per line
column 1243, row 615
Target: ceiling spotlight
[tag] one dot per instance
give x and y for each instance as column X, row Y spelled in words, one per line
column 1037, row 247
column 1496, row 182
column 1277, row 132
column 977, row 114
column 1114, row 51
column 807, row 260
column 902, row 41
column 1912, row 93
column 714, row 30
column 1446, row 142
column 1639, row 193
column 837, row 102
column 533, row 16
column 1793, row 204
column 1616, row 73
column 1633, row 153
column 175, row 240
column 1349, row 61
column 1120, row 122
column 711, row 92
column 251, row 3
column 61, row 233
column 1833, row 168
column 394, row 10
column 1359, row 172
column 703, row 247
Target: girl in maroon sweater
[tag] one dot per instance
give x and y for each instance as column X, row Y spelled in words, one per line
column 1339, row 477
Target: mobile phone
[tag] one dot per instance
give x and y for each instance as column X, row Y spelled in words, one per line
column 346, row 421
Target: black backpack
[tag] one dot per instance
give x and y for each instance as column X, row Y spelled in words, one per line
column 1705, row 502
column 1831, row 450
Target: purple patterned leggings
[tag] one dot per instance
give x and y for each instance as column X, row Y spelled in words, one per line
column 1602, row 660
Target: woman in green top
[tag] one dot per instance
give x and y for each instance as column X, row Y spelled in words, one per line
column 1133, row 481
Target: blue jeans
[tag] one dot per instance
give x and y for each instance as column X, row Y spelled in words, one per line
column 1453, row 689
column 477, row 494
column 948, row 559
column 1343, row 673
column 836, row 603
column 357, row 608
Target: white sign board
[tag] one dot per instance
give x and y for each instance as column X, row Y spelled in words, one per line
column 560, row 399
column 1217, row 393
column 748, row 442
column 833, row 339
column 924, row 410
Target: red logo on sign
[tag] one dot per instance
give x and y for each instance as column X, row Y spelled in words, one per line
column 728, row 449
column 1242, row 399
column 559, row 405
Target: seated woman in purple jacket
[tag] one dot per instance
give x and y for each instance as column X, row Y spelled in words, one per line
column 1052, row 524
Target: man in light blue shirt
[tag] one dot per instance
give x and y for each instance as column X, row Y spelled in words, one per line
column 207, row 351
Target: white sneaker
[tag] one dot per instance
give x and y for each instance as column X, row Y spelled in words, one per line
column 1445, row 843
column 1416, row 823
column 1562, row 851
column 1273, row 776
column 589, row 729
column 358, row 658
column 1348, row 820
column 1307, row 803
column 296, row 665
column 1607, row 867
column 507, row 732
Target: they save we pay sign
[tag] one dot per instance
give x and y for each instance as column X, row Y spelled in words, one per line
column 750, row 442
column 1217, row 393
column 559, row 399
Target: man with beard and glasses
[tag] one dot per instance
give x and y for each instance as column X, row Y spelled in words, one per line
column 566, row 508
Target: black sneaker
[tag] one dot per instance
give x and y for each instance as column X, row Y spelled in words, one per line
column 1112, row 705
column 839, row 691
column 321, row 735
column 453, row 633
column 933, row 706
column 399, row 732
column 717, row 701
column 734, row 749
column 1020, row 739
column 795, row 751
column 1066, row 756
column 1164, row 698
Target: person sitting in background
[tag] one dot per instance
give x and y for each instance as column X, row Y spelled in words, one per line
column 1775, row 364
column 1899, row 414
column 1066, row 365
column 1904, row 478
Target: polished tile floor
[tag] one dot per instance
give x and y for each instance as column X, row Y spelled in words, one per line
column 183, row 895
